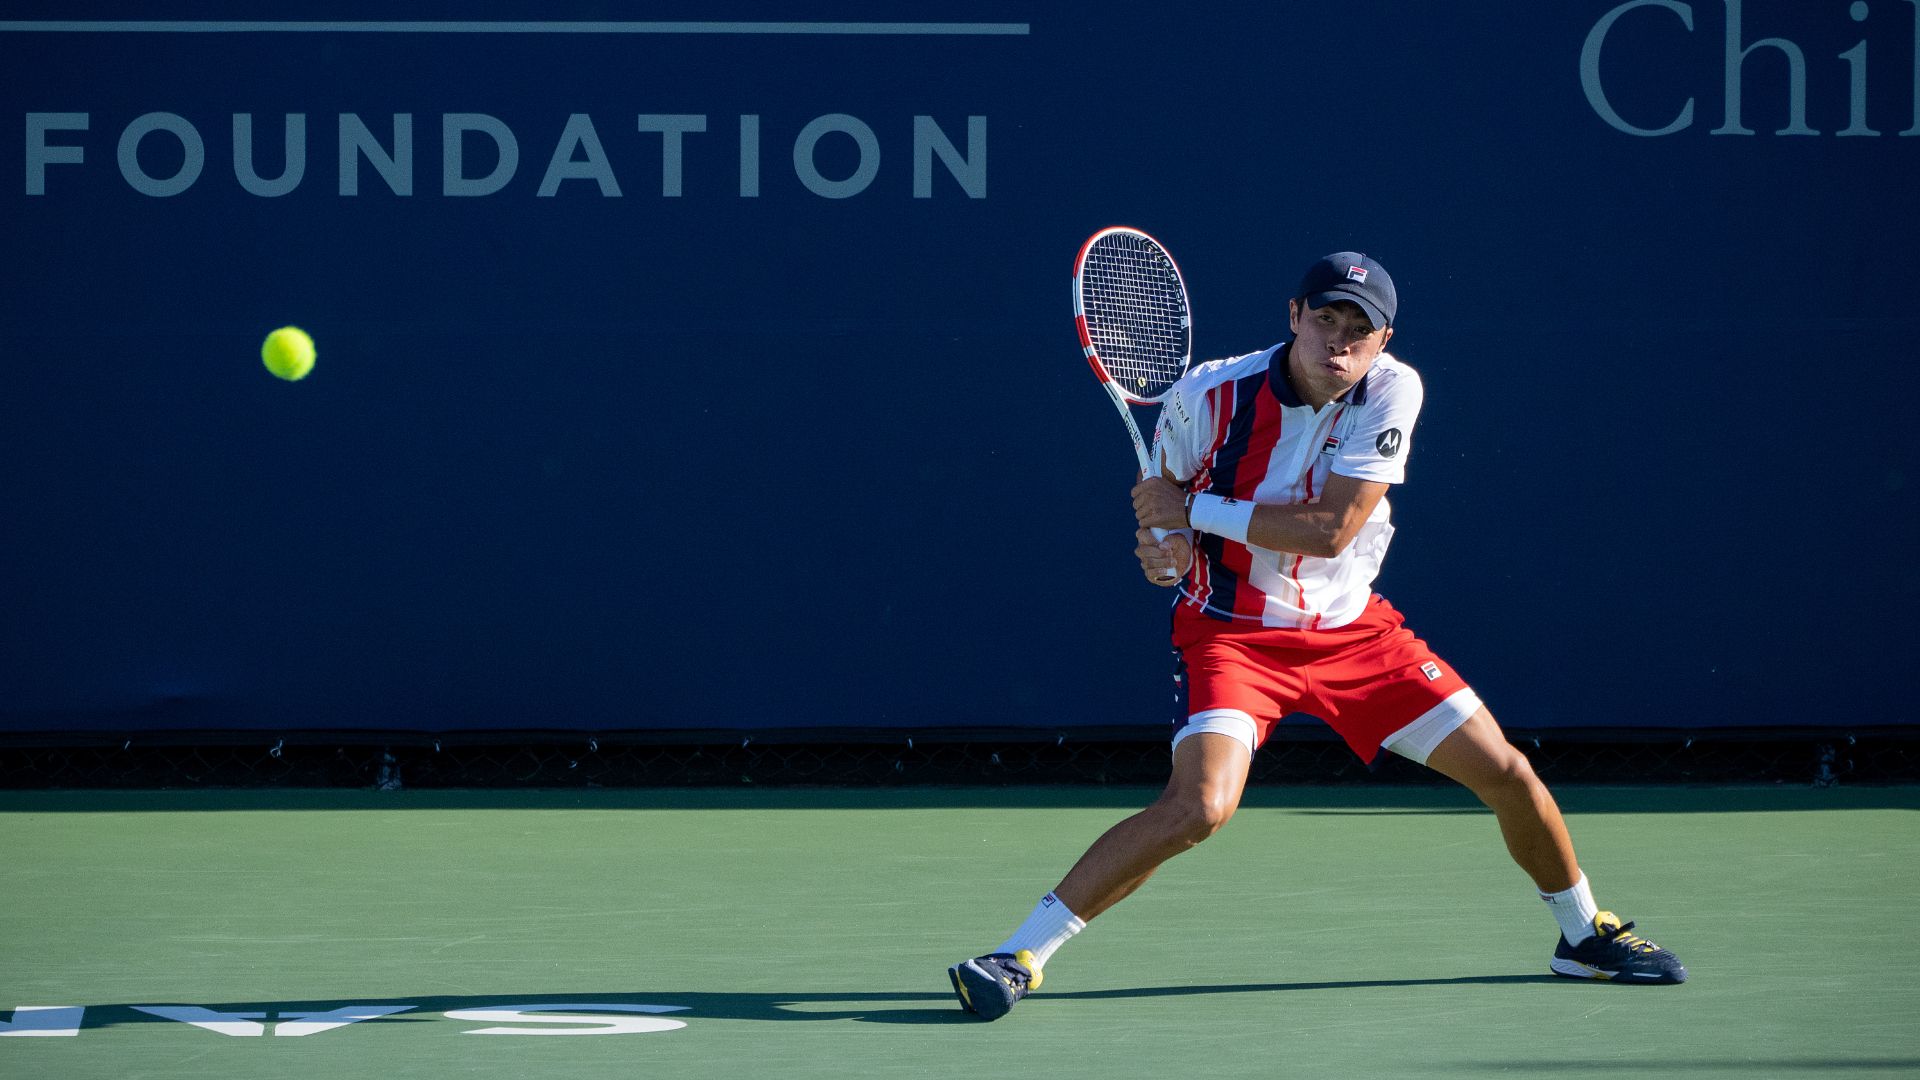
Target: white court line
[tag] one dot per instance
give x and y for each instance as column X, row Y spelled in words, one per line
column 103, row 26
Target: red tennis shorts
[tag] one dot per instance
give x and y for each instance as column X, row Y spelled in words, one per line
column 1369, row 679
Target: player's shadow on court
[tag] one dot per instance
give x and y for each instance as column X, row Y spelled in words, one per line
column 885, row 1007
column 951, row 1014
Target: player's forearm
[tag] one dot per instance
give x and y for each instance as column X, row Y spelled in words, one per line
column 1302, row 529
column 1322, row 529
column 1297, row 528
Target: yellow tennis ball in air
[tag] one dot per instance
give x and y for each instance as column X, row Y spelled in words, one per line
column 288, row 353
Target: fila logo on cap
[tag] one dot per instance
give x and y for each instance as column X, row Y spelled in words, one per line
column 1357, row 273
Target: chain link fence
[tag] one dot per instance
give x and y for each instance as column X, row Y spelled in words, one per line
column 553, row 760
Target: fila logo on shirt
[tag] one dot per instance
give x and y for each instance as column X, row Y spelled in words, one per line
column 1388, row 443
column 1431, row 670
column 1332, row 444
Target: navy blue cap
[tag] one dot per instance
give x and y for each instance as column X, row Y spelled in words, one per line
column 1349, row 275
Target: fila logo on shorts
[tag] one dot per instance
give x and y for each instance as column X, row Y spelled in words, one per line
column 1241, row 680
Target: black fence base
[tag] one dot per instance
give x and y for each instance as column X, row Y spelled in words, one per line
column 712, row 759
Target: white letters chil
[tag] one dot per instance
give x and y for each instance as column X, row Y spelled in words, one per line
column 1732, row 64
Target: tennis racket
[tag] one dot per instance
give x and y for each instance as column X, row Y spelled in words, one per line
column 1130, row 306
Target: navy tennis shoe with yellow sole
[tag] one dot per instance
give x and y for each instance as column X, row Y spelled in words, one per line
column 989, row 985
column 1613, row 954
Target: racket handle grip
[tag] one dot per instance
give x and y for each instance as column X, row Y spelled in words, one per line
column 1150, row 465
column 1161, row 534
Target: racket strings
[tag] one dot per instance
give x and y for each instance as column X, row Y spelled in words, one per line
column 1136, row 314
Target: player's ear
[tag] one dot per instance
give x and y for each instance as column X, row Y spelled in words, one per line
column 1386, row 336
column 1293, row 314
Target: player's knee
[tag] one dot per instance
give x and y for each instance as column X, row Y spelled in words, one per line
column 1518, row 769
column 1191, row 818
column 1509, row 775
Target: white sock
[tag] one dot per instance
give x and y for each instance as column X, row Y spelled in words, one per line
column 1574, row 910
column 1048, row 928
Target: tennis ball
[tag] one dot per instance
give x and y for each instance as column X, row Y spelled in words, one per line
column 288, row 353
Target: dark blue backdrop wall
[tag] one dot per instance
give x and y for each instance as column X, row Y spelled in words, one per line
column 724, row 377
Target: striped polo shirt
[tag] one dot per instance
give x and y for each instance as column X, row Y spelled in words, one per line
column 1235, row 427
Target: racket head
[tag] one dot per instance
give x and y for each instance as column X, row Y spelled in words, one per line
column 1130, row 307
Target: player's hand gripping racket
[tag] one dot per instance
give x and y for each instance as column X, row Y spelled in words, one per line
column 1130, row 306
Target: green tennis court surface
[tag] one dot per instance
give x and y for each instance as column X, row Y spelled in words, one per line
column 1350, row 932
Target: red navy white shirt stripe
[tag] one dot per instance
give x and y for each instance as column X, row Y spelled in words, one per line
column 1235, row 427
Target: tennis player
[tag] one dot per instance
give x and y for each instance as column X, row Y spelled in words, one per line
column 1277, row 469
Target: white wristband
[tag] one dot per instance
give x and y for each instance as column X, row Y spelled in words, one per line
column 1220, row 516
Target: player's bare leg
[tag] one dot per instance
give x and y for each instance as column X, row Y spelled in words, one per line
column 1479, row 756
column 1209, row 775
column 1593, row 944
